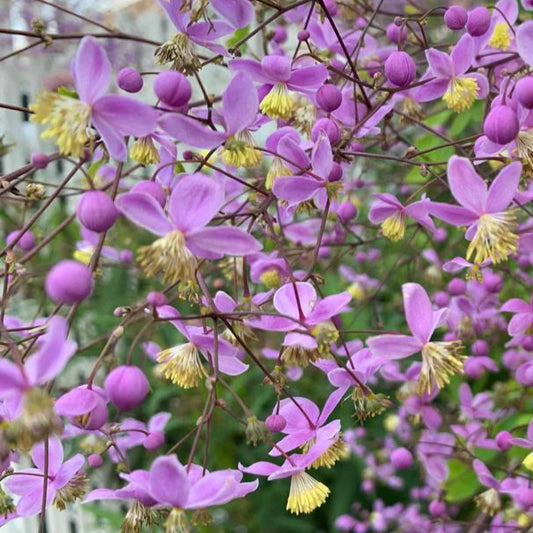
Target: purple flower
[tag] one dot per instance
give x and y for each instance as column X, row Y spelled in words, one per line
column 64, row 483
column 524, row 41
column 440, row 360
column 491, row 225
column 523, row 319
column 113, row 116
column 447, row 77
column 194, row 201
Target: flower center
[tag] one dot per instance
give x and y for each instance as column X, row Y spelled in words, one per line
column 306, row 493
column 182, row 365
column 501, row 36
column 393, row 227
column 240, row 151
column 68, row 119
column 440, row 360
column 494, row 239
column 179, row 52
column 168, row 255
column 278, row 103
column 461, row 94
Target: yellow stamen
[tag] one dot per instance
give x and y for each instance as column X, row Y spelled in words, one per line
column 528, row 462
column 440, row 361
column 489, row 502
column 494, row 238
column 168, row 255
column 337, row 451
column 524, row 147
column 278, row 103
column 461, row 94
column 501, row 36
column 270, row 278
column 144, row 152
column 182, row 365
column 177, row 522
column 240, row 151
column 393, row 227
column 306, row 493
column 277, row 169
column 325, row 333
column 300, row 356
column 304, row 116
column 68, row 119
column 357, row 291
column 179, row 52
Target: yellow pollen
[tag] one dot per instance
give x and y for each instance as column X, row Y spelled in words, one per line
column 501, row 36
column 494, row 239
column 325, row 333
column 144, row 152
column 168, row 255
column 240, row 151
column 461, row 94
column 182, row 365
column 440, row 361
column 474, row 272
column 278, row 103
column 277, row 169
column 179, row 52
column 305, row 494
column 528, row 462
column 270, row 278
column 393, row 227
column 84, row 255
column 68, row 119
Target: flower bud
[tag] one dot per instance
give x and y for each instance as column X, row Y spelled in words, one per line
column 456, row 17
column 329, row 97
column 335, row 172
column 330, row 128
column 457, row 287
column 129, row 80
column 25, row 243
column 501, row 125
column 347, row 211
column 126, row 256
column 153, row 189
column 401, row 459
column 478, row 21
column 374, row 254
column 95, row 460
column 126, row 387
column 503, row 440
column 400, row 69
column 69, row 282
column 442, row 299
column 154, row 440
column 275, row 423
column 156, row 299
column 437, row 508
column 480, row 347
column 396, row 34
column 524, row 91
column 39, row 160
column 172, row 88
column 280, row 35
column 303, row 35
column 85, row 407
column 96, row 211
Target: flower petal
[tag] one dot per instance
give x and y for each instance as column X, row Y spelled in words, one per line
column 191, row 131
column 92, row 70
column 292, row 296
column 225, row 240
column 169, row 482
column 504, row 187
column 466, row 185
column 393, row 346
column 524, row 41
column 240, row 103
column 145, row 211
column 418, row 311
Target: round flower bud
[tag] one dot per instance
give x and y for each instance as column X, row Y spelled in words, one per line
column 69, row 282
column 129, row 80
column 525, row 497
column 126, row 386
column 25, row 243
column 330, row 128
column 280, row 35
column 346, row 211
column 524, row 91
column 492, row 282
column 275, row 423
column 442, row 299
column 437, row 508
column 153, row 189
column 374, row 254
column 396, row 34
column 478, row 21
column 335, row 173
column 501, row 125
column 303, row 35
column 126, row 256
column 156, row 298
column 457, row 287
column 361, row 257
column 39, row 160
column 95, row 460
column 455, row 17
column 400, row 69
column 329, row 97
column 503, row 440
column 154, row 440
column 367, row 486
column 96, row 211
column 85, row 407
column 480, row 347
column 172, row 88
column 401, row 459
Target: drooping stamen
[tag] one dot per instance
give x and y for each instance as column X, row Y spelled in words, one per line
column 325, row 333
column 393, row 227
column 182, row 365
column 144, row 152
column 68, row 119
column 461, row 94
column 305, row 494
column 368, row 405
column 524, row 147
column 299, row 356
column 337, row 451
column 177, row 522
column 494, row 238
column 278, row 103
column 277, row 169
column 501, row 36
column 137, row 516
column 170, row 256
column 489, row 502
column 240, row 151
column 74, row 490
column 256, row 431
column 440, row 361
column 179, row 52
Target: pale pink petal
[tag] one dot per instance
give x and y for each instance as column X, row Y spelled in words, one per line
column 394, row 346
column 293, row 296
column 466, row 185
column 92, row 70
column 504, row 187
column 191, row 131
column 145, row 211
column 224, row 240
column 240, row 104
column 418, row 311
